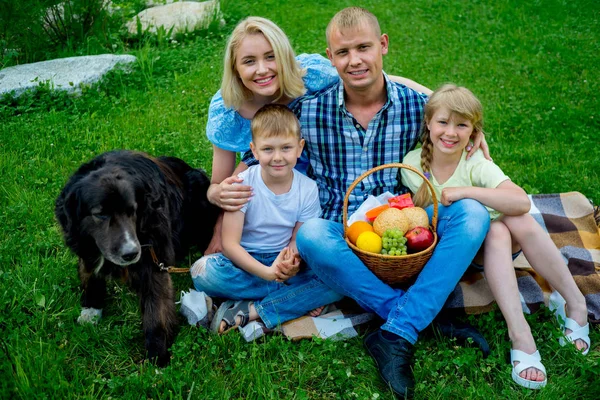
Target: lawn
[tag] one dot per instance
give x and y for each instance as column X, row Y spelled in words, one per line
column 534, row 65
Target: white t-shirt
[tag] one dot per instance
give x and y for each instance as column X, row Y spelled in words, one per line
column 270, row 218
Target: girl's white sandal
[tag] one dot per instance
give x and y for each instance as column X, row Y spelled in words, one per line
column 578, row 332
column 526, row 361
column 557, row 305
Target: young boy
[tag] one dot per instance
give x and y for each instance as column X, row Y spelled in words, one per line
column 259, row 246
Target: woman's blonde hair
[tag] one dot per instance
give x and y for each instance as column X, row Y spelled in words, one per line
column 458, row 100
column 289, row 73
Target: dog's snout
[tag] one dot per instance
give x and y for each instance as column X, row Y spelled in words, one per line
column 130, row 256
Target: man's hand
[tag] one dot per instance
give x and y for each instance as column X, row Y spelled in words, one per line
column 479, row 142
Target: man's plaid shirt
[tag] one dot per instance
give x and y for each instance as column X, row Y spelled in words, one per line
column 340, row 150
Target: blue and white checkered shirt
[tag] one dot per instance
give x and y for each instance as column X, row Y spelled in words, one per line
column 340, row 149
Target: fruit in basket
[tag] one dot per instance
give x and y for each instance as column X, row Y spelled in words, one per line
column 401, row 201
column 389, row 219
column 356, row 228
column 418, row 239
column 416, row 217
column 374, row 212
column 394, row 243
column 369, row 241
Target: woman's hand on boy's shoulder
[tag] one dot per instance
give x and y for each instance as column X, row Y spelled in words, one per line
column 231, row 195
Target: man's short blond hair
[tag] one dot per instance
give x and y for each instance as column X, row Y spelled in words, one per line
column 289, row 72
column 352, row 17
column 275, row 120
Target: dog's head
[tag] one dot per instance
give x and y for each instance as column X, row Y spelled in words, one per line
column 101, row 207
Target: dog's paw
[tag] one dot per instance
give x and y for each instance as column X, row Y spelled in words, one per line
column 89, row 316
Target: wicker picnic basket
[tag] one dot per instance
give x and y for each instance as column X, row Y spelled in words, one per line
column 393, row 270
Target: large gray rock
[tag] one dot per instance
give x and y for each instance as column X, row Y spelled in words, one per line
column 183, row 16
column 62, row 74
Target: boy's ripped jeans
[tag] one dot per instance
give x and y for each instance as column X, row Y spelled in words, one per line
column 275, row 302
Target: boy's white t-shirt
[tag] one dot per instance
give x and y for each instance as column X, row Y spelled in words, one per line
column 270, row 219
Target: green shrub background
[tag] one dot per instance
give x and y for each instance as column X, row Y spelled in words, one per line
column 534, row 65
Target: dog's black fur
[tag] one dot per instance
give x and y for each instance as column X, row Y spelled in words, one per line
column 118, row 205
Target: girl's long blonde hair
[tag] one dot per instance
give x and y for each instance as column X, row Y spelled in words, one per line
column 289, row 73
column 458, row 100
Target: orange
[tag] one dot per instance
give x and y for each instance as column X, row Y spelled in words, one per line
column 369, row 241
column 356, row 229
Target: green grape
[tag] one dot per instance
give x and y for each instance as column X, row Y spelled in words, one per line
column 394, row 242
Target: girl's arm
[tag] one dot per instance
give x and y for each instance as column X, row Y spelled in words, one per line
column 222, row 192
column 411, row 84
column 507, row 198
column 233, row 223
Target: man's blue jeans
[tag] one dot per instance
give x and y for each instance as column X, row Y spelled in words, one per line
column 461, row 228
column 275, row 302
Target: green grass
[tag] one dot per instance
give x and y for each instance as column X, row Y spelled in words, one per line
column 533, row 64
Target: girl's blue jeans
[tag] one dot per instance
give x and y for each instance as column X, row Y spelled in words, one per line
column 275, row 302
column 461, row 229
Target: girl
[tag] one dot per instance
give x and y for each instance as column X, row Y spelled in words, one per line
column 452, row 115
column 259, row 68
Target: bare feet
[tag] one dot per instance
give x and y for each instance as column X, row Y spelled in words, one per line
column 316, row 312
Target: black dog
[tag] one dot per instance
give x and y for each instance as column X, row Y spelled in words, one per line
column 123, row 214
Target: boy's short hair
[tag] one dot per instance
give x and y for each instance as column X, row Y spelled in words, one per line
column 289, row 72
column 275, row 120
column 352, row 17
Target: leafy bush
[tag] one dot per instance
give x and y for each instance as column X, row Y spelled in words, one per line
column 41, row 29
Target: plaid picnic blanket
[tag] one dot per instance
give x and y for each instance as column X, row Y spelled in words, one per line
column 571, row 221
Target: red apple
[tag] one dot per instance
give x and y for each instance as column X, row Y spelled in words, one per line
column 418, row 239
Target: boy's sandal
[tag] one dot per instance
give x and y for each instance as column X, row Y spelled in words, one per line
column 228, row 312
column 557, row 304
column 526, row 361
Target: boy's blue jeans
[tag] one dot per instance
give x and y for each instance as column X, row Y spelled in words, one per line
column 461, row 229
column 275, row 302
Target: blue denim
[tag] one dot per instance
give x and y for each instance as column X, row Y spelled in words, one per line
column 275, row 302
column 461, row 228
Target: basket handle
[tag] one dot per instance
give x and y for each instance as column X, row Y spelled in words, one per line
column 379, row 168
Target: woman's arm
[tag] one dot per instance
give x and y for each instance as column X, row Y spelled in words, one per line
column 507, row 198
column 222, row 191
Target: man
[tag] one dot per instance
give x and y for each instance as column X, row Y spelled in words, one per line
column 364, row 121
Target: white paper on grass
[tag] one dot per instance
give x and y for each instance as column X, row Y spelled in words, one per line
column 371, row 202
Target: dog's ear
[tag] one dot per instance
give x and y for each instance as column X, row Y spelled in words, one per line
column 68, row 208
column 150, row 204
